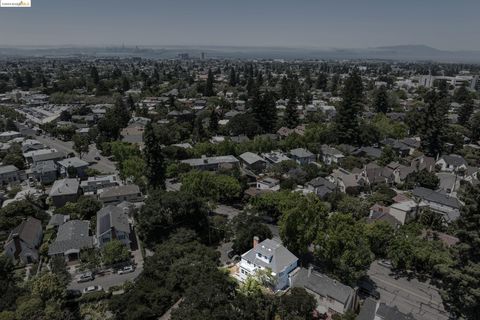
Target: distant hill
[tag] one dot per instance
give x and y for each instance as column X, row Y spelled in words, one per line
column 400, row 52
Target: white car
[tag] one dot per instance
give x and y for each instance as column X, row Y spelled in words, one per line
column 126, row 269
column 92, row 289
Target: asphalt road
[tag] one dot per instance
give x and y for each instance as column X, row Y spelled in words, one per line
column 106, row 281
column 410, row 296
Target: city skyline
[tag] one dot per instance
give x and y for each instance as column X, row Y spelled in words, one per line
column 316, row 24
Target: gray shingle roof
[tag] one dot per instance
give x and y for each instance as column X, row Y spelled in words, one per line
column 251, row 158
column 454, row 160
column 119, row 191
column 112, row 216
column 8, row 169
column 210, row 160
column 48, row 156
column 301, row 153
column 281, row 258
column 64, row 187
column 73, row 162
column 322, row 285
column 44, row 167
column 437, row 197
column 58, row 219
column 27, row 231
column 72, row 235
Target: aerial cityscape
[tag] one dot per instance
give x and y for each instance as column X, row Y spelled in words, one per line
column 217, row 160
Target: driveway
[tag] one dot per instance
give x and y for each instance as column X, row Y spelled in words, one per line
column 410, row 296
column 109, row 278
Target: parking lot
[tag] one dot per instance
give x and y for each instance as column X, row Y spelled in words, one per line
column 421, row 299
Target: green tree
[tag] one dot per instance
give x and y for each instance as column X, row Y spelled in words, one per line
column 475, row 126
column 29, row 308
column 381, row 100
column 379, row 235
column 133, row 168
column 94, row 75
column 209, row 85
column 291, row 114
column 80, row 144
column 347, row 117
column 343, row 248
column 48, row 286
column 114, row 252
column 233, row 78
column 322, row 81
column 464, row 113
column 154, row 160
column 245, row 228
column 213, row 123
column 166, row 212
column 300, row 225
column 15, row 160
column 210, row 186
column 388, row 155
column 433, row 123
column 297, row 304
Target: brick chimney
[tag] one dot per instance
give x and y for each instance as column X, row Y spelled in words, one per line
column 255, row 241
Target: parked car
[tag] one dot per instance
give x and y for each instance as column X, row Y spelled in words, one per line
column 97, row 158
column 126, row 269
column 385, row 263
column 85, row 277
column 72, row 294
column 92, row 289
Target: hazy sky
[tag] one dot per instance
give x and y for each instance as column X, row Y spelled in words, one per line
column 444, row 24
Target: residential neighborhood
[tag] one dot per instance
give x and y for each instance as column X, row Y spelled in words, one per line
column 268, row 181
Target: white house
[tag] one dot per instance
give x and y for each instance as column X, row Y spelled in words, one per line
column 404, row 211
column 268, row 184
column 331, row 155
column 452, row 163
column 270, row 255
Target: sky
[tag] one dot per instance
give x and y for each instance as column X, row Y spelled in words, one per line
column 443, row 24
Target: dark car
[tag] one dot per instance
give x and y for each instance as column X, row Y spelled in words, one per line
column 72, row 294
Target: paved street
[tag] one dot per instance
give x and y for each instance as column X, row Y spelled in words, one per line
column 410, row 296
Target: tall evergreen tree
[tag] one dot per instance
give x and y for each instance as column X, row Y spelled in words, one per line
column 464, row 113
column 380, row 102
column 154, row 160
column 233, row 77
column 322, row 81
column 209, row 85
column 264, row 110
column 433, row 123
column 461, row 280
column 213, row 123
column 347, row 118
column 291, row 116
column 94, row 75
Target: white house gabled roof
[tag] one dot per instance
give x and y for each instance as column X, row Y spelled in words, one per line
column 279, row 256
